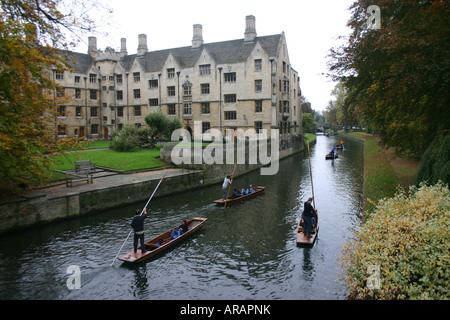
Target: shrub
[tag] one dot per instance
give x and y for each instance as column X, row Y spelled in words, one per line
column 408, row 239
column 126, row 139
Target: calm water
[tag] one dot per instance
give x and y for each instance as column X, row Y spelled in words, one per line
column 245, row 251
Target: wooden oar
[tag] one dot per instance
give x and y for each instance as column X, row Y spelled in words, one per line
column 231, row 182
column 140, row 215
column 310, row 173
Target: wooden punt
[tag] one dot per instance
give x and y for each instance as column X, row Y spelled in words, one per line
column 153, row 249
column 302, row 239
column 329, row 156
column 233, row 200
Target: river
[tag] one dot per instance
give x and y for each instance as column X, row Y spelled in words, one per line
column 246, row 251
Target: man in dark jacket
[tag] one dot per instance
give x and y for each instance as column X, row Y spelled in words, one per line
column 308, row 214
column 138, row 226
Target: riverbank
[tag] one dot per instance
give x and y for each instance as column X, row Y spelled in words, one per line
column 384, row 171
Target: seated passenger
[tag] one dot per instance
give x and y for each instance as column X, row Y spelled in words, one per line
column 244, row 192
column 160, row 242
column 250, row 189
column 235, row 193
column 184, row 227
column 175, row 233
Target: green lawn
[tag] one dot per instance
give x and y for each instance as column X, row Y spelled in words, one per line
column 124, row 161
column 380, row 178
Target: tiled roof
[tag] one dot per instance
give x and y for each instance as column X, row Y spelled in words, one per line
column 223, row 52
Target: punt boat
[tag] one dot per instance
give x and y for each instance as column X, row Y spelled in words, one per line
column 152, row 248
column 302, row 239
column 233, row 200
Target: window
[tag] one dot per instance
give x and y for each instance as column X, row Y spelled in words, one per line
column 119, row 79
column 77, row 79
column 137, row 93
column 170, row 73
column 153, row 84
column 187, row 108
column 94, row 111
column 171, row 109
column 137, row 111
column 205, row 69
column 258, row 106
column 136, row 76
column 258, row 126
column 187, row 92
column 286, row 106
column 258, row 65
column 92, row 78
column 77, row 93
column 286, row 86
column 230, row 77
column 284, row 67
column 206, row 126
column 206, row 108
column 205, row 88
column 59, row 75
column 60, row 92
column 120, row 111
column 230, row 98
column 153, row 102
column 119, row 95
column 230, row 115
column 93, row 94
column 258, row 85
column 111, row 78
column 171, row 91
column 61, row 130
column 78, row 112
column 61, row 111
column 94, row 128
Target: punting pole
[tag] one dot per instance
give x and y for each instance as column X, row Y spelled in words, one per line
column 310, row 173
column 140, row 215
column 232, row 175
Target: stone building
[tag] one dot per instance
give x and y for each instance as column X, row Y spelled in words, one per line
column 244, row 83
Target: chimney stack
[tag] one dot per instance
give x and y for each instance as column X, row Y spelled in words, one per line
column 250, row 29
column 197, row 39
column 142, row 48
column 123, row 46
column 92, row 46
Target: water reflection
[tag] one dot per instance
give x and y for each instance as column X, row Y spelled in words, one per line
column 245, row 251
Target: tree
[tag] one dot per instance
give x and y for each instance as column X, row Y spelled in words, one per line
column 308, row 122
column 31, row 31
column 397, row 77
column 161, row 125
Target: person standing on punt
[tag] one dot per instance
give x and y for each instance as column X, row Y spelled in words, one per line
column 138, row 226
column 308, row 215
column 225, row 184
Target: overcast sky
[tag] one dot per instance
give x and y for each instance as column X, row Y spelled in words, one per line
column 311, row 28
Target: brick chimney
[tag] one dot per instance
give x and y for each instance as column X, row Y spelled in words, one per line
column 142, row 47
column 250, row 29
column 197, row 39
column 92, row 46
column 123, row 46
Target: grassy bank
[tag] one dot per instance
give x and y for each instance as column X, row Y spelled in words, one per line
column 383, row 171
column 123, row 161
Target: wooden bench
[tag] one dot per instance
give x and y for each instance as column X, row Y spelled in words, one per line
column 83, row 171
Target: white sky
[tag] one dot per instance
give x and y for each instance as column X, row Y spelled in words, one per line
column 311, row 28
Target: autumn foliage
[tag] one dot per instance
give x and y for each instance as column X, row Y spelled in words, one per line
column 30, row 34
column 397, row 77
